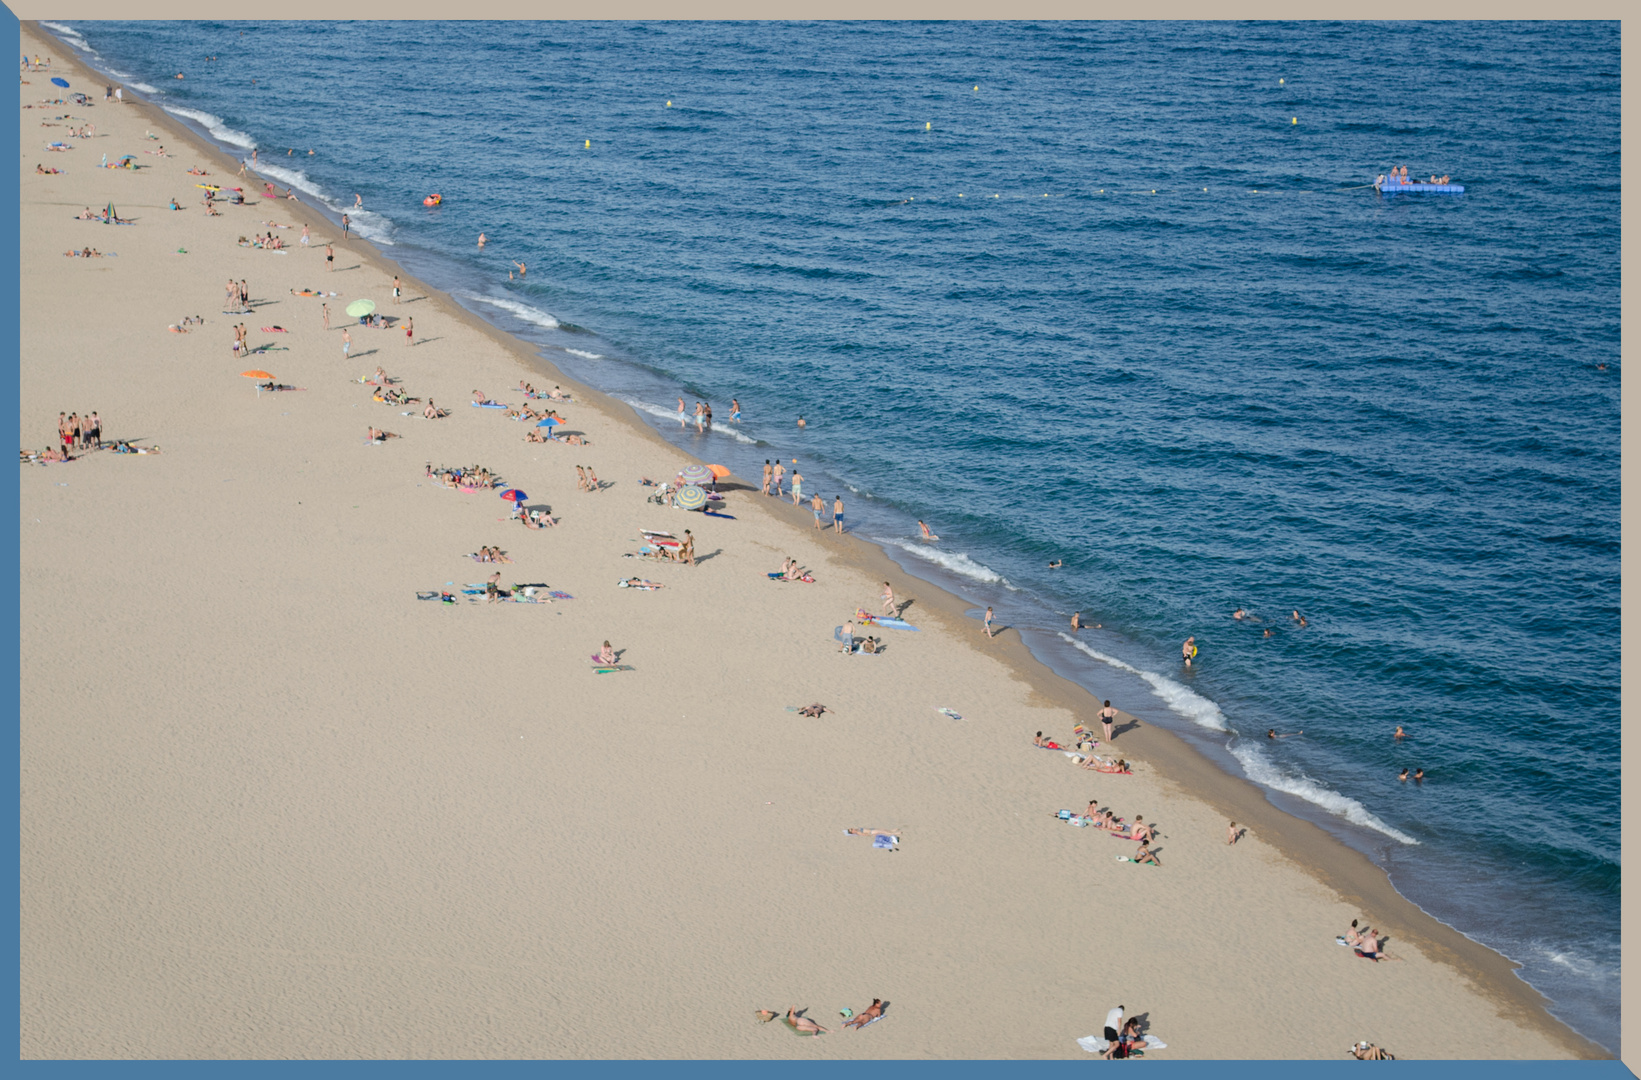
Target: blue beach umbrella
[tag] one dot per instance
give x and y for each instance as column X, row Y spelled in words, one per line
column 551, row 421
column 60, row 82
column 691, row 497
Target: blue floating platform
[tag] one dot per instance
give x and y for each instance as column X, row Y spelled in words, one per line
column 1396, row 187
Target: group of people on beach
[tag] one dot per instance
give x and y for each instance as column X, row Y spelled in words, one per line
column 79, row 432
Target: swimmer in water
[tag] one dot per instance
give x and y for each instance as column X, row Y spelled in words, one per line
column 1400, row 734
column 927, row 535
column 1418, row 776
column 1055, row 565
column 1271, row 734
column 1403, row 776
column 802, row 423
column 1239, row 614
column 1267, row 633
column 1076, row 621
column 1300, row 619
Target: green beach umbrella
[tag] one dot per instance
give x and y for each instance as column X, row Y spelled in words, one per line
column 360, row 308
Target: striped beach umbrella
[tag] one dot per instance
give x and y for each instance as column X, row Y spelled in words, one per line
column 514, row 495
column 695, row 474
column 691, row 497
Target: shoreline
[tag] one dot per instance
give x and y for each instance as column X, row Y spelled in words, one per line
column 1179, row 768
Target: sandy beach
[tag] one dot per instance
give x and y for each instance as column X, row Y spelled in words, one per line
column 273, row 805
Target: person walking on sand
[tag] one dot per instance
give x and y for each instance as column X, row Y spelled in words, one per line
column 767, row 470
column 1231, row 833
column 797, row 488
column 395, row 288
column 817, row 504
column 304, row 240
column 410, row 331
column 888, row 598
column 330, row 258
column 1108, row 717
column 324, row 312
column 988, row 623
column 837, row 515
column 780, row 475
column 347, row 343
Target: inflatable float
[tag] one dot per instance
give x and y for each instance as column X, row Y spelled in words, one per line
column 433, row 200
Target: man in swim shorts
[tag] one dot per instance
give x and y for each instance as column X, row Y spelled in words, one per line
column 837, row 515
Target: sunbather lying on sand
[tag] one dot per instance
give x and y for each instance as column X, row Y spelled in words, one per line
column 1364, row 1051
column 640, row 583
column 378, row 435
column 874, row 832
column 1106, row 765
column 802, row 1024
column 815, row 710
column 867, row 1015
column 538, row 519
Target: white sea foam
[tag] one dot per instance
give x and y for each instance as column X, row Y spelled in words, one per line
column 523, row 311
column 1255, row 764
column 213, row 124
column 1184, row 701
column 60, row 28
column 672, row 414
column 584, row 354
column 955, row 561
column 377, row 228
column 119, row 74
column 144, row 88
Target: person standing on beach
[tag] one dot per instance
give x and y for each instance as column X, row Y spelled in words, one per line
column 410, row 331
column 817, row 505
column 780, row 474
column 395, row 288
column 888, row 598
column 330, row 258
column 324, row 311
column 95, row 436
column 837, row 515
column 988, row 623
column 346, row 225
column 347, row 343
column 304, row 240
column 797, row 488
column 1108, row 717
column 767, row 471
column 687, row 552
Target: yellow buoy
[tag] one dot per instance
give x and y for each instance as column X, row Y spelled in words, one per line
column 977, row 89
column 1296, row 119
column 669, row 104
column 1281, row 81
column 1204, row 189
column 1153, row 191
column 589, row 144
column 927, row 125
column 959, row 194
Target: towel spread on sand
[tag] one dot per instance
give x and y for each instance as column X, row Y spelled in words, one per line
column 949, row 714
column 884, row 841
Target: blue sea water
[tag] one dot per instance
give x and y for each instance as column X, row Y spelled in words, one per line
column 1087, row 292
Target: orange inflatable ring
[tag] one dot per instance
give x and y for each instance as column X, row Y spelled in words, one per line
column 433, row 200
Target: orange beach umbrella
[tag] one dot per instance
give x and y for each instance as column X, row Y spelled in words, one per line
column 255, row 375
column 718, row 471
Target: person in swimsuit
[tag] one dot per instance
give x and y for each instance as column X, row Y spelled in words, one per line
column 1076, row 621
column 1144, row 855
column 347, row 343
column 767, row 470
column 410, row 331
column 1108, row 716
column 606, row 655
column 779, row 473
column 682, row 422
column 797, row 488
column 1189, row 650
column 735, row 409
column 837, row 514
column 802, row 423
column 888, row 598
column 988, row 623
column 1231, row 833
column 927, row 535
column 330, row 259
column 395, row 288
column 817, row 505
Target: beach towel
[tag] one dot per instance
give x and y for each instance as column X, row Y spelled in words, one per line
column 557, row 595
column 606, row 669
column 1096, row 1045
column 949, row 714
column 884, row 842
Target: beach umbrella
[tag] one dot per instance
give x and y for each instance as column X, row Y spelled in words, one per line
column 514, row 495
column 695, row 474
column 59, row 82
column 209, row 187
column 360, row 308
column 551, row 421
column 691, row 497
column 256, row 375
column 718, row 471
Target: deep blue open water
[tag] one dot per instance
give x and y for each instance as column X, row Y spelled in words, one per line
column 1085, row 291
